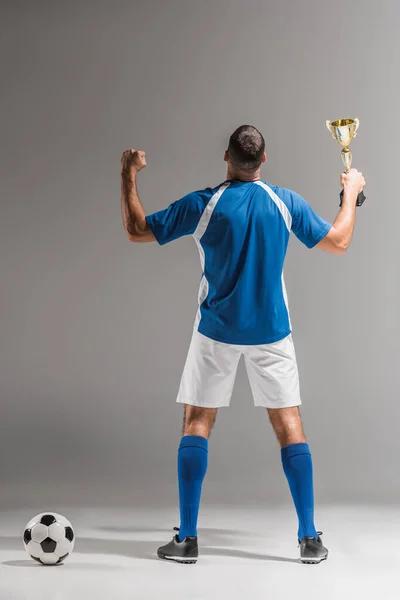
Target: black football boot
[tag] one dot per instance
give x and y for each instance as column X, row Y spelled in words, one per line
column 185, row 552
column 312, row 551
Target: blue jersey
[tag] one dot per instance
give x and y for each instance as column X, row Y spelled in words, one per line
column 242, row 231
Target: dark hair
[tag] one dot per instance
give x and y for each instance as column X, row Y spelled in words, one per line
column 246, row 148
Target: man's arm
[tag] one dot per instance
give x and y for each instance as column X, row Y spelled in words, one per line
column 339, row 237
column 133, row 215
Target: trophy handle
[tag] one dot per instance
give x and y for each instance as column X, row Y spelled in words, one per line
column 328, row 125
column 357, row 123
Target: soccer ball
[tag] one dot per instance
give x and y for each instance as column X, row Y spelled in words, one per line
column 49, row 538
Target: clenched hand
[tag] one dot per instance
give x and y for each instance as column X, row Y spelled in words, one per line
column 133, row 160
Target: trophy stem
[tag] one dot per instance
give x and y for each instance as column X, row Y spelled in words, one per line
column 347, row 158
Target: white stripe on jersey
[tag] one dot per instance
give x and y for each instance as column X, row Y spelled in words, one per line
column 287, row 217
column 198, row 234
column 285, row 297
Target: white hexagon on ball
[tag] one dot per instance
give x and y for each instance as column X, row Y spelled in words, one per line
column 34, row 549
column 39, row 532
column 57, row 532
column 49, row 538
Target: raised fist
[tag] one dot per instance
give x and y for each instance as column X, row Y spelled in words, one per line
column 353, row 179
column 133, row 160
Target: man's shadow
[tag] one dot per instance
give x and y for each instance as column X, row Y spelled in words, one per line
column 215, row 542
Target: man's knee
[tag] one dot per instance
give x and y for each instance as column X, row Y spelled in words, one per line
column 198, row 421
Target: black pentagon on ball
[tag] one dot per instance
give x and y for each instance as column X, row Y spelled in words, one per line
column 37, row 559
column 48, row 520
column 27, row 535
column 48, row 545
column 62, row 558
column 69, row 534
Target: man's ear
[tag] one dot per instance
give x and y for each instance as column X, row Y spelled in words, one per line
column 264, row 158
column 226, row 156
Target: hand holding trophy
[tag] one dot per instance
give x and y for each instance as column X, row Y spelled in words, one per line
column 344, row 130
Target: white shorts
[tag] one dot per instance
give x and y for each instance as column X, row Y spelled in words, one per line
column 210, row 371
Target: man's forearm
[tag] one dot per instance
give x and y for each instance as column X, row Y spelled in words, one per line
column 344, row 222
column 133, row 215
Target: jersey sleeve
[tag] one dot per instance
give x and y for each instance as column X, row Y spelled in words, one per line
column 307, row 226
column 179, row 218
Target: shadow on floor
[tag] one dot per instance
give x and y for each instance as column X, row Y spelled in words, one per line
column 143, row 550
column 81, row 566
column 27, row 564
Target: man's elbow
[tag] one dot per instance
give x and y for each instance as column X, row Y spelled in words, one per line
column 133, row 237
column 338, row 249
column 333, row 246
column 140, row 237
column 343, row 246
column 140, row 232
column 340, row 243
column 134, row 234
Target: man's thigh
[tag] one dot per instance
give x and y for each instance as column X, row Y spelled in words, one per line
column 209, row 373
column 273, row 374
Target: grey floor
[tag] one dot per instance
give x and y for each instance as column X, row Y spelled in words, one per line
column 245, row 553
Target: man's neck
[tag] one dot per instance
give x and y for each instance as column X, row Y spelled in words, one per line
column 247, row 177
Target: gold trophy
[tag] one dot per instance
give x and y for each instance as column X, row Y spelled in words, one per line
column 344, row 130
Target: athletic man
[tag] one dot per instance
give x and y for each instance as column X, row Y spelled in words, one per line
column 242, row 230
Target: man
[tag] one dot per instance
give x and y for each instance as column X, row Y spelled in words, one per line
column 242, row 230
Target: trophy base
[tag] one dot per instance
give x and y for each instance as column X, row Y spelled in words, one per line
column 360, row 198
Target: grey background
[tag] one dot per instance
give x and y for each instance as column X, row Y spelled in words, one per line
column 95, row 330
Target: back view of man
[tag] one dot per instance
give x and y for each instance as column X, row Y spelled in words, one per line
column 242, row 229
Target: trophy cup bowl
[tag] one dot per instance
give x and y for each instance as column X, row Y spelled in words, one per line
column 343, row 130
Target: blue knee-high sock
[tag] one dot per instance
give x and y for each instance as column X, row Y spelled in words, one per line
column 192, row 467
column 297, row 464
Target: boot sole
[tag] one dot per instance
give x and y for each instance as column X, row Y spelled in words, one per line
column 310, row 561
column 181, row 560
